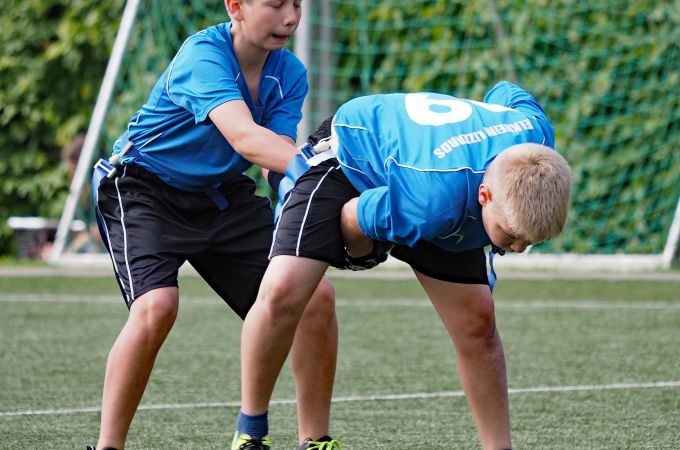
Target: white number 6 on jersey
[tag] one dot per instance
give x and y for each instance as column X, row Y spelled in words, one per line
column 426, row 110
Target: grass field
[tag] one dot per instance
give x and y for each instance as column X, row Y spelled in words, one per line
column 591, row 365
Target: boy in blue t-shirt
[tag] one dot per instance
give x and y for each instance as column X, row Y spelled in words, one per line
column 231, row 97
column 435, row 179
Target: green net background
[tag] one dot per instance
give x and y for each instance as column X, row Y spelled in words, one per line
column 607, row 73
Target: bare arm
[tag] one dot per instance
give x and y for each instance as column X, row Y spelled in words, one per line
column 357, row 243
column 255, row 143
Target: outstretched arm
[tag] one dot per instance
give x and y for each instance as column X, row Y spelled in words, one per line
column 252, row 141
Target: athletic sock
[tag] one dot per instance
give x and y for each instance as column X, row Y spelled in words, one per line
column 254, row 426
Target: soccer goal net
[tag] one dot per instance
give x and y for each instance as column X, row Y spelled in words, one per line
column 607, row 73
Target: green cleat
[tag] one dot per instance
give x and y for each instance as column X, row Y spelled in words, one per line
column 324, row 443
column 245, row 442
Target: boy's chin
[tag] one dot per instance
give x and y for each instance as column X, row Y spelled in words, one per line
column 277, row 43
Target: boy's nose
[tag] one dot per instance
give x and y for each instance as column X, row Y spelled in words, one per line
column 290, row 17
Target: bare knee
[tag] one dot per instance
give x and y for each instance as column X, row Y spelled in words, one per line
column 155, row 312
column 476, row 332
column 320, row 310
column 283, row 300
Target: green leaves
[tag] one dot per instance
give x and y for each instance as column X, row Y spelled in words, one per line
column 52, row 59
column 607, row 73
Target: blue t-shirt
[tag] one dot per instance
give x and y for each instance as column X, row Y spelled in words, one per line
column 172, row 133
column 418, row 160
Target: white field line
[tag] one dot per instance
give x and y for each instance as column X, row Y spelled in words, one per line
column 539, row 304
column 360, row 398
column 373, row 302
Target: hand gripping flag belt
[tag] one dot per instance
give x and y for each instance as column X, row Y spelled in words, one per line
column 309, row 156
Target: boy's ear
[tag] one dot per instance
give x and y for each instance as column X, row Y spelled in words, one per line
column 484, row 194
column 234, row 9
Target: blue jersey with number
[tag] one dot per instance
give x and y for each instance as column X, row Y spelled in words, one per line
column 172, row 133
column 418, row 160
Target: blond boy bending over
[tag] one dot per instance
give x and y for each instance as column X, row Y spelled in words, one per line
column 436, row 179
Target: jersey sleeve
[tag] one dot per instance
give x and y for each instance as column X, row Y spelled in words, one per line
column 413, row 206
column 286, row 113
column 508, row 94
column 201, row 77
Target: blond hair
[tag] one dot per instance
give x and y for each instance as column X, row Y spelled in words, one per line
column 531, row 187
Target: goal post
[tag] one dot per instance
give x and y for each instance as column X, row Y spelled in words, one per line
column 670, row 251
column 607, row 73
column 84, row 167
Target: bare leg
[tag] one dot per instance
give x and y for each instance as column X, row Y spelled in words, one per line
column 467, row 311
column 314, row 354
column 130, row 362
column 270, row 326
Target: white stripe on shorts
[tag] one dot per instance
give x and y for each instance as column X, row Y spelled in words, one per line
column 309, row 204
column 125, row 246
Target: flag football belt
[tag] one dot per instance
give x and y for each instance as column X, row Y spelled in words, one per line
column 108, row 169
column 323, row 150
column 309, row 156
column 495, row 250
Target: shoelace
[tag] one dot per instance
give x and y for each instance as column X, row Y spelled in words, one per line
column 333, row 444
column 256, row 444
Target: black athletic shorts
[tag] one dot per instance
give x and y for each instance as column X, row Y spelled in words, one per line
column 309, row 226
column 152, row 228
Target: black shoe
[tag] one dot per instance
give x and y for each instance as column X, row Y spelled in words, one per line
column 92, row 447
column 324, row 443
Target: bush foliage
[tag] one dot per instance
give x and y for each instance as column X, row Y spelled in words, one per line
column 607, row 72
column 52, row 59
